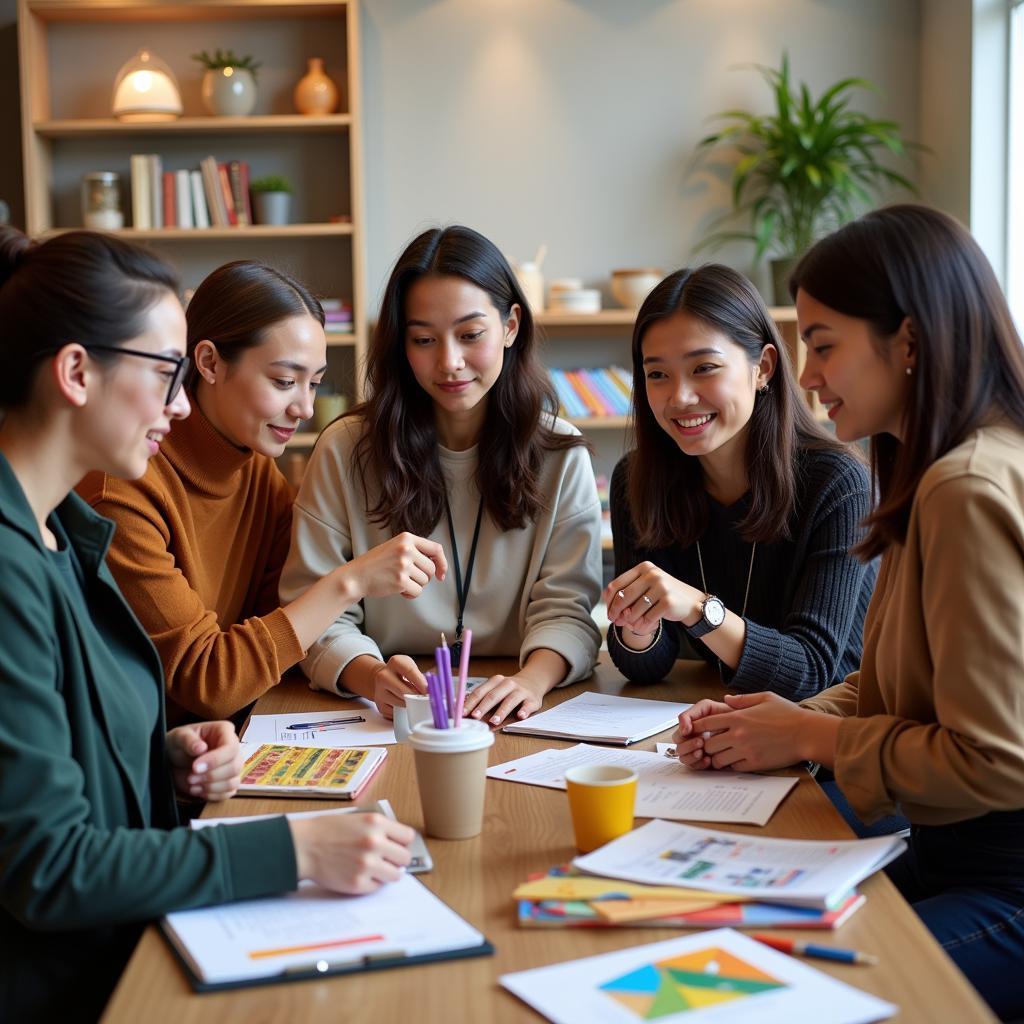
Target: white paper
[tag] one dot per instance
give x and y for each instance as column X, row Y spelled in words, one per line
column 665, row 789
column 736, row 981
column 802, row 872
column 265, row 938
column 604, row 718
column 325, row 728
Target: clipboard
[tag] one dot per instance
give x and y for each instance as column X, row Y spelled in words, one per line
column 313, row 933
column 355, row 966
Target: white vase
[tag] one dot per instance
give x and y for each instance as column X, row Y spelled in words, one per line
column 272, row 207
column 229, row 92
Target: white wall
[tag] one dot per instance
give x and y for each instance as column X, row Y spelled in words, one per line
column 573, row 121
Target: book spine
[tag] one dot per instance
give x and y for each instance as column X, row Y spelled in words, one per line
column 238, row 202
column 201, row 214
column 170, row 199
column 575, row 407
column 623, row 380
column 599, row 388
column 246, row 198
column 581, row 389
column 225, row 189
column 214, row 198
column 140, row 192
column 156, row 190
column 183, row 199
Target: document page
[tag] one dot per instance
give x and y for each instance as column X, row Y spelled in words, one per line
column 665, row 789
column 604, row 718
column 362, row 726
column 802, row 872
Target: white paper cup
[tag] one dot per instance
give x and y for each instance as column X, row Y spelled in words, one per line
column 451, row 771
column 415, row 711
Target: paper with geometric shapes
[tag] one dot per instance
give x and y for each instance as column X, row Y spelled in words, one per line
column 689, row 982
column 714, row 977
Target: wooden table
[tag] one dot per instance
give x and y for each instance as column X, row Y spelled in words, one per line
column 527, row 829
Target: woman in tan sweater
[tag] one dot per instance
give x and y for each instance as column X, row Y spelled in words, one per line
column 201, row 538
column 910, row 342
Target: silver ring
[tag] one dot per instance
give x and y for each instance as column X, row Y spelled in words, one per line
column 647, row 600
column 620, row 593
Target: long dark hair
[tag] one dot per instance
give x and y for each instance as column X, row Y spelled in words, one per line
column 79, row 286
column 667, row 499
column 398, row 447
column 237, row 302
column 913, row 262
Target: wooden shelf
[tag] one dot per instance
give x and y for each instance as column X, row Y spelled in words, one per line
column 103, row 127
column 182, row 10
column 625, row 317
column 600, row 422
column 228, row 234
column 340, row 340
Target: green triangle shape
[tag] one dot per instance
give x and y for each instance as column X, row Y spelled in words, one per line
column 698, row 979
column 668, row 1000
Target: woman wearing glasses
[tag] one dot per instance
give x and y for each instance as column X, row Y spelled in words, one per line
column 201, row 538
column 92, row 346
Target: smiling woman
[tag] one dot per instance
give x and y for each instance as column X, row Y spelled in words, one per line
column 202, row 536
column 734, row 515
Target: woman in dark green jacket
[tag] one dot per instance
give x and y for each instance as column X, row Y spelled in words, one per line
column 92, row 354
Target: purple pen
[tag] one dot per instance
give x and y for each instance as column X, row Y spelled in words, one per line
column 440, row 653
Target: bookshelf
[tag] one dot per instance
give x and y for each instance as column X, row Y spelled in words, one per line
column 70, row 52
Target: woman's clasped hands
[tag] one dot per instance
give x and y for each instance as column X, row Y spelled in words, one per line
column 641, row 596
column 753, row 732
column 205, row 759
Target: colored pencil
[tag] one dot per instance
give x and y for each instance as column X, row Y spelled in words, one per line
column 460, row 695
column 796, row 947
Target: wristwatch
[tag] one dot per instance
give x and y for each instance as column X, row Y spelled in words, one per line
column 712, row 615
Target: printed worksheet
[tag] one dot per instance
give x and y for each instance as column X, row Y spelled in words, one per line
column 801, row 872
column 665, row 789
column 361, row 726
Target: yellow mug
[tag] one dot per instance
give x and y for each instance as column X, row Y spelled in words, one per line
column 601, row 799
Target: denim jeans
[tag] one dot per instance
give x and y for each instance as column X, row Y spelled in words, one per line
column 966, row 883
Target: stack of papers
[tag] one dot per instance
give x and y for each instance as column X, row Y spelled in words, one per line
column 361, row 726
column 566, row 899
column 798, row 872
column 603, row 718
column 666, row 789
column 719, row 975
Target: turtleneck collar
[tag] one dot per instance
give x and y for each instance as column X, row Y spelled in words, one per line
column 204, row 456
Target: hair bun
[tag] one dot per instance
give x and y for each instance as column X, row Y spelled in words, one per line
column 15, row 246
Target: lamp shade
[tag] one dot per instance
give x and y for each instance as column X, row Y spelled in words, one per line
column 146, row 90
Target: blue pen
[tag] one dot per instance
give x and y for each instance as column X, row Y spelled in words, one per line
column 326, row 722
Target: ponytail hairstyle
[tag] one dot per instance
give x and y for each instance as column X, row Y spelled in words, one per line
column 667, row 500
column 398, row 448
column 235, row 305
column 909, row 261
column 80, row 286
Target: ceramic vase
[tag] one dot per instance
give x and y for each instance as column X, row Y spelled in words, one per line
column 315, row 93
column 229, row 92
column 272, row 207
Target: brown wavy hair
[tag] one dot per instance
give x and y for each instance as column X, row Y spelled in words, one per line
column 909, row 261
column 397, row 450
column 667, row 499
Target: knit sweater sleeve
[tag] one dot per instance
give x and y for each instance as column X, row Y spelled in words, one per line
column 267, row 596
column 656, row 662
column 801, row 658
column 210, row 671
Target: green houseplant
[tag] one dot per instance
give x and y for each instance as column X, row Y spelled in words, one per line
column 271, row 198
column 804, row 169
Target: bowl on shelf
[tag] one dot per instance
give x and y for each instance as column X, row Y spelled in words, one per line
column 574, row 300
column 631, row 285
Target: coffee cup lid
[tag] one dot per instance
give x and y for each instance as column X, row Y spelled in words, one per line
column 471, row 735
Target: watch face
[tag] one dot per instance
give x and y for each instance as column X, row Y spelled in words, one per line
column 714, row 611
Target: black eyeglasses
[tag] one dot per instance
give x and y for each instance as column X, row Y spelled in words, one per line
column 181, row 364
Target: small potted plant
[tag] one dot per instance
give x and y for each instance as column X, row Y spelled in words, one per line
column 229, row 83
column 271, row 199
column 804, row 169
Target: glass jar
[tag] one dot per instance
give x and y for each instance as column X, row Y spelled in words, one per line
column 101, row 201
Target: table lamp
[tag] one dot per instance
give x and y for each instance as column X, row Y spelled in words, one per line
column 146, row 90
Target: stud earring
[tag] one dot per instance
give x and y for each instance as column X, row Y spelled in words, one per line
column 910, row 372
column 764, row 389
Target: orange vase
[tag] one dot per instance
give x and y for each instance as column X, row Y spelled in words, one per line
column 315, row 93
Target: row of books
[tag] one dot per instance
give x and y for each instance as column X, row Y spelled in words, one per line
column 214, row 195
column 593, row 392
column 337, row 316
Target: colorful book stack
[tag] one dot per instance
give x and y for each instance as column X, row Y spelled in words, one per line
column 337, row 317
column 564, row 898
column 216, row 194
column 593, row 392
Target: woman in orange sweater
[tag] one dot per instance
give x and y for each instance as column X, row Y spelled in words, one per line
column 201, row 538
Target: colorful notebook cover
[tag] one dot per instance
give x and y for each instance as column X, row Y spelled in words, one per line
column 338, row 773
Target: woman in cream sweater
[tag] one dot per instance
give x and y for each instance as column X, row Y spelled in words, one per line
column 910, row 342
